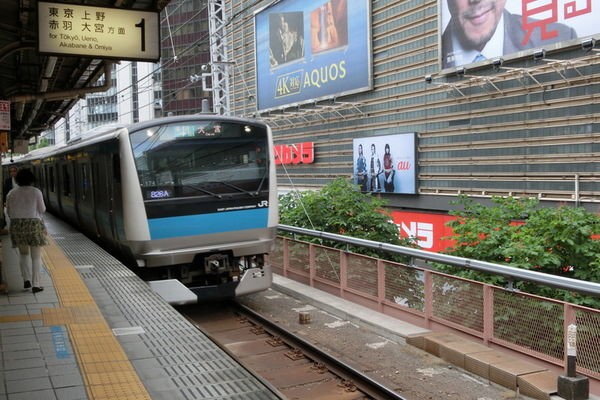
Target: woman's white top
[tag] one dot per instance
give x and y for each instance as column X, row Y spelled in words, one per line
column 25, row 202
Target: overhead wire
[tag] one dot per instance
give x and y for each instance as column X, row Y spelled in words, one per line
column 167, row 63
column 177, row 57
column 305, row 211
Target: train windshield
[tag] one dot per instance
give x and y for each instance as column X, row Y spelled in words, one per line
column 201, row 158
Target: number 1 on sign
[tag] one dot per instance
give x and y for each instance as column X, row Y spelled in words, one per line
column 142, row 26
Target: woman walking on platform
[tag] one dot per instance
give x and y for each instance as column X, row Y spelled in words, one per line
column 25, row 208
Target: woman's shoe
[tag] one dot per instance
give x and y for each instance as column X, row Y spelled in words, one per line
column 3, row 288
column 27, row 285
column 36, row 289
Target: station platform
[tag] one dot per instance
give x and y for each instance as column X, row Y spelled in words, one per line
column 97, row 331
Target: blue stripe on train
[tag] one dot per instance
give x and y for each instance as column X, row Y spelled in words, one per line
column 204, row 224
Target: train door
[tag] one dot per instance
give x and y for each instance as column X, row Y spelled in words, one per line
column 43, row 183
column 84, row 192
column 103, row 197
column 66, row 191
column 51, row 183
column 119, row 223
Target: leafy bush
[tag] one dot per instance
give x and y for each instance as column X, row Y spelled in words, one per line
column 340, row 207
column 519, row 233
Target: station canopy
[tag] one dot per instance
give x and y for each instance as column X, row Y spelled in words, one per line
column 42, row 88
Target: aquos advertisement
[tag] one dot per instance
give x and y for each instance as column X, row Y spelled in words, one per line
column 386, row 164
column 309, row 50
column 475, row 31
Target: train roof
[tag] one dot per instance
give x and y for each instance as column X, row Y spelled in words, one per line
column 192, row 117
column 109, row 131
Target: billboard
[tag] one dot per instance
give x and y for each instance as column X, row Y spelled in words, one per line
column 472, row 32
column 429, row 229
column 386, row 164
column 308, row 50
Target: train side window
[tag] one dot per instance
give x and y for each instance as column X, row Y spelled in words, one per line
column 66, row 181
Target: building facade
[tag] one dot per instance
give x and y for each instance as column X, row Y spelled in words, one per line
column 525, row 123
column 184, row 52
column 135, row 95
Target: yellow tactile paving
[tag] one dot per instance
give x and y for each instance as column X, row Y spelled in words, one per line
column 91, row 330
column 83, row 314
column 19, row 318
column 105, row 368
column 100, row 368
column 115, row 391
column 109, row 378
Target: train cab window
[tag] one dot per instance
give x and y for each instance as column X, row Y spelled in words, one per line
column 66, row 181
column 201, row 159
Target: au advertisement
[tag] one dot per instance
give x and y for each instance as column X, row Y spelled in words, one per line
column 476, row 31
column 308, row 50
column 386, row 164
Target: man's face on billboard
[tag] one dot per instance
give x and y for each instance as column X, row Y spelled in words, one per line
column 477, row 19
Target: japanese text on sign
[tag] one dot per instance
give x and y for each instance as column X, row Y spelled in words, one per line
column 540, row 15
column 4, row 115
column 95, row 31
column 512, row 29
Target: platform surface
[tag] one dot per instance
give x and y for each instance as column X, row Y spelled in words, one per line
column 97, row 331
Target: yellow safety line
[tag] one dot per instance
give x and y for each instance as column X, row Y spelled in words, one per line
column 19, row 318
column 106, row 370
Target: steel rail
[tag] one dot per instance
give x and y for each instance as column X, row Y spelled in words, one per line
column 512, row 273
column 363, row 382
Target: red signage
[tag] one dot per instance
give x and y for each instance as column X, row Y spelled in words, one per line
column 299, row 153
column 429, row 229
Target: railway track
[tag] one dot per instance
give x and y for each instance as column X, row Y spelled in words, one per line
column 295, row 368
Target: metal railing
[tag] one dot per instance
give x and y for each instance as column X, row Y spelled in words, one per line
column 528, row 324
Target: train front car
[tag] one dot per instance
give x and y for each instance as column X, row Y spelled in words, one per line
column 209, row 215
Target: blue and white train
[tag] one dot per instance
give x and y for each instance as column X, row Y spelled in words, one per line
column 189, row 202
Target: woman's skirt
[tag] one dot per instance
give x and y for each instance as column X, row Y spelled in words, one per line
column 27, row 232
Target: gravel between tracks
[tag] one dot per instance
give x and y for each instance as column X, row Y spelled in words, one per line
column 414, row 373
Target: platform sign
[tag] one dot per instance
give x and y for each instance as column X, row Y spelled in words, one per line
column 4, row 115
column 98, row 32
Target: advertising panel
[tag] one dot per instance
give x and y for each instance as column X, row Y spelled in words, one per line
column 475, row 31
column 386, row 164
column 308, row 50
column 430, row 229
column 4, row 115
